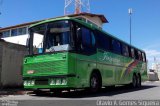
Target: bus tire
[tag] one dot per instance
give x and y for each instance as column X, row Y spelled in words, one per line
column 134, row 81
column 95, row 83
column 138, row 80
column 37, row 92
column 56, row 91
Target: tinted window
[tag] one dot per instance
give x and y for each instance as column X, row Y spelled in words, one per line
column 103, row 41
column 116, row 46
column 86, row 38
column 132, row 53
column 125, row 50
column 93, row 39
column 143, row 57
column 136, row 55
column 139, row 55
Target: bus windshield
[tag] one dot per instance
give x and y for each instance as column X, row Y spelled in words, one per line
column 51, row 37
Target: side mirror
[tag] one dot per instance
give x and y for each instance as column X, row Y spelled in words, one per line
column 27, row 43
column 78, row 34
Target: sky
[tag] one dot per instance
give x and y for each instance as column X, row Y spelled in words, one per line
column 145, row 18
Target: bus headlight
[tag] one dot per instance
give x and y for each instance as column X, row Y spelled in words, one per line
column 29, row 83
column 58, row 81
column 32, row 82
column 25, row 83
column 52, row 82
column 64, row 82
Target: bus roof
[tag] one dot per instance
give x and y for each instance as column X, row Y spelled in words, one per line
column 85, row 24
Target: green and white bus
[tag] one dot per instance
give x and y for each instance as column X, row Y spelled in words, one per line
column 73, row 54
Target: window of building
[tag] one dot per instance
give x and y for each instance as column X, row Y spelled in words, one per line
column 6, row 34
column 22, row 31
column 14, row 32
column 116, row 46
column 125, row 50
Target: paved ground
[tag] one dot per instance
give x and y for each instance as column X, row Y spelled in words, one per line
column 148, row 91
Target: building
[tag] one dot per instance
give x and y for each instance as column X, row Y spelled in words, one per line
column 18, row 34
column 156, row 67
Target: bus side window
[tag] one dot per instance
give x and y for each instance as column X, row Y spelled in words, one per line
column 132, row 53
column 143, row 57
column 125, row 51
column 136, row 55
column 139, row 55
column 88, row 41
column 116, row 46
column 93, row 39
column 103, row 41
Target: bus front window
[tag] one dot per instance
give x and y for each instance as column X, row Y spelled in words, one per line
column 51, row 37
column 36, row 39
column 58, row 36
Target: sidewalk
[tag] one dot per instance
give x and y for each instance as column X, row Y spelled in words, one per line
column 12, row 91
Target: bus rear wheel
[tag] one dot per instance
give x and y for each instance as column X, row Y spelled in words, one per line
column 37, row 92
column 138, row 80
column 94, row 82
column 56, row 91
column 134, row 81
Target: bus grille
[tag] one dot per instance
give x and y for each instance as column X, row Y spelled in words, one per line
column 41, row 82
column 46, row 67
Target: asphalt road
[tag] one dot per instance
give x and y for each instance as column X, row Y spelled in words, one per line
column 148, row 91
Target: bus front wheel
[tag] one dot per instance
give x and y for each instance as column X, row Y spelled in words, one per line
column 95, row 82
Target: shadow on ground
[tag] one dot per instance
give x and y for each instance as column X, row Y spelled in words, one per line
column 13, row 91
column 110, row 91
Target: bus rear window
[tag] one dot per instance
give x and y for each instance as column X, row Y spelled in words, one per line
column 143, row 57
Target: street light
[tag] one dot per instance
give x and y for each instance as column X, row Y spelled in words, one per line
column 130, row 14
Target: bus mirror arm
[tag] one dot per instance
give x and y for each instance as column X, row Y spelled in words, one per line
column 78, row 33
column 27, row 43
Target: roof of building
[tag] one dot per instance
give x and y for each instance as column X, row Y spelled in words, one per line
column 102, row 17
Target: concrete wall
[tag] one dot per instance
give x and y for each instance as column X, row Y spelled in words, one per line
column 21, row 39
column 11, row 60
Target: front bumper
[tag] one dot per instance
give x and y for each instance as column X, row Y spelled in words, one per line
column 52, row 81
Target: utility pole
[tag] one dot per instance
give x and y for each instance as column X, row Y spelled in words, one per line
column 130, row 24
